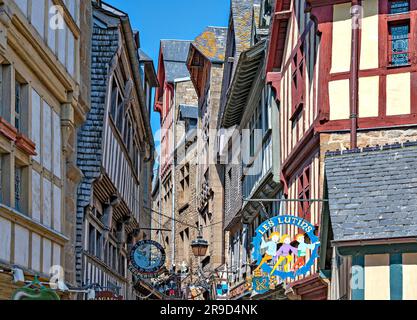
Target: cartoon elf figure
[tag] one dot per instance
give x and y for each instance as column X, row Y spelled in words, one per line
column 271, row 248
column 302, row 251
column 284, row 253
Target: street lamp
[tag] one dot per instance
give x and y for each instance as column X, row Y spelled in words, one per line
column 199, row 246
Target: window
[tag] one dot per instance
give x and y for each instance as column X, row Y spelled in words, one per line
column 399, row 34
column 304, row 194
column 399, row 6
column 113, row 99
column 18, row 188
column 120, row 117
column 91, row 239
column 20, row 109
column 17, row 106
column 298, row 81
column 98, row 245
column 185, row 183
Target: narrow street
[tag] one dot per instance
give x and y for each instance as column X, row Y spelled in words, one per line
column 223, row 150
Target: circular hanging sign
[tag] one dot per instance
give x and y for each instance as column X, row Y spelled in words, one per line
column 280, row 255
column 147, row 258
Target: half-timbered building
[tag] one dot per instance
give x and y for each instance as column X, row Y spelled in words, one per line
column 44, row 97
column 115, row 155
column 343, row 75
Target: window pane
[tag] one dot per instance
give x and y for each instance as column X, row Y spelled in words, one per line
column 399, row 6
column 399, row 34
column 18, row 188
column 17, row 106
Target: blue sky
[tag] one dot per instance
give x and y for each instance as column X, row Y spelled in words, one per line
column 171, row 19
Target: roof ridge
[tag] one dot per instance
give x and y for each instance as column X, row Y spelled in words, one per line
column 367, row 149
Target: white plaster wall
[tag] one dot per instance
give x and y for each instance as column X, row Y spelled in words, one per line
column 47, row 137
column 38, row 16
column 339, row 99
column 51, row 33
column 398, row 94
column 71, row 54
column 47, row 256
column 36, row 252
column 21, row 248
column 57, row 255
column 341, row 38
column 62, row 36
column 369, row 44
column 36, row 124
column 410, row 276
column 5, row 239
column 57, row 144
column 47, row 203
column 377, row 277
column 368, row 96
column 57, row 212
column 36, row 196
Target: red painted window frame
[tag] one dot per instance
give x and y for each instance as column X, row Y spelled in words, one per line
column 304, row 193
column 297, row 82
column 403, row 22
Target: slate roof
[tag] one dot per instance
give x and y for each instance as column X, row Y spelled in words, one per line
column 143, row 56
column 175, row 53
column 373, row 192
column 212, row 43
column 242, row 11
column 188, row 112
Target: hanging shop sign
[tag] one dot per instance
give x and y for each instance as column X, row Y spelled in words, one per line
column 261, row 283
column 240, row 290
column 279, row 255
column 222, row 290
column 107, row 295
column 147, row 259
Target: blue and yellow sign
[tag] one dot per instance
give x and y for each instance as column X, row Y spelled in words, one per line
column 280, row 255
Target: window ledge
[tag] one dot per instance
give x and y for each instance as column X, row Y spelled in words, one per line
column 7, row 130
column 26, row 145
column 393, row 66
column 22, row 142
column 32, row 225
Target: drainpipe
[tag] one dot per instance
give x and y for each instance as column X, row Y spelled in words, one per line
column 354, row 75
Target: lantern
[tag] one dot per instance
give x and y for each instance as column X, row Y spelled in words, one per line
column 199, row 247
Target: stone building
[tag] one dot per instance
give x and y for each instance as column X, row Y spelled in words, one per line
column 115, row 155
column 342, row 83
column 45, row 96
column 250, row 143
column 176, row 101
column 205, row 63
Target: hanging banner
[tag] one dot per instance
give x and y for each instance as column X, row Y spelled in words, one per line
column 147, row 259
column 279, row 255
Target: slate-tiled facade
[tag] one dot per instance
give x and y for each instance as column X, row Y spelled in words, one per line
column 372, row 194
column 104, row 46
